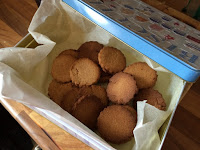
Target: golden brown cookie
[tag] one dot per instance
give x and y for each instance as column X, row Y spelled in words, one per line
column 144, row 75
column 61, row 67
column 152, row 96
column 85, row 90
column 104, row 77
column 100, row 92
column 71, row 52
column 57, row 90
column 84, row 72
column 132, row 110
column 87, row 109
column 116, row 123
column 95, row 90
column 111, row 60
column 121, row 88
column 69, row 100
column 90, row 50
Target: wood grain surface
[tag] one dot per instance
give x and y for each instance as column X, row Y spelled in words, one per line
column 184, row 132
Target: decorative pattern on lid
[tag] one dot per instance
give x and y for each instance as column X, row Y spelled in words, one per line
column 173, row 36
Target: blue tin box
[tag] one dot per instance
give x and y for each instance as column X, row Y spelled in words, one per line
column 167, row 41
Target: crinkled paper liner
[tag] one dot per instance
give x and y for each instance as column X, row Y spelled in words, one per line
column 25, row 74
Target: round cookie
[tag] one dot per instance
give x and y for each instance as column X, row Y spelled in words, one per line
column 121, row 88
column 85, row 90
column 90, row 50
column 132, row 110
column 116, row 124
column 87, row 110
column 111, row 60
column 61, row 67
column 144, row 75
column 100, row 92
column 71, row 52
column 104, row 77
column 95, row 90
column 84, row 72
column 57, row 90
column 69, row 100
column 152, row 96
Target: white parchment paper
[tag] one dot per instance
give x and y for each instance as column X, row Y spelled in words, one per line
column 25, row 74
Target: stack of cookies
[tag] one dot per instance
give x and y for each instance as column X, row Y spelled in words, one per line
column 76, row 87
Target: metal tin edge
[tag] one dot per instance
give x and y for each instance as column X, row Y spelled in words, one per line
column 171, row 117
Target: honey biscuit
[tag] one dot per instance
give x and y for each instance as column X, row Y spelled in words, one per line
column 111, row 60
column 57, row 90
column 144, row 75
column 121, row 88
column 84, row 91
column 132, row 110
column 84, row 72
column 95, row 90
column 69, row 100
column 61, row 68
column 71, row 52
column 100, row 92
column 90, row 50
column 152, row 96
column 87, row 109
column 104, row 77
column 116, row 124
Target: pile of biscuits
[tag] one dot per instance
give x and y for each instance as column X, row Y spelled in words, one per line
column 76, row 87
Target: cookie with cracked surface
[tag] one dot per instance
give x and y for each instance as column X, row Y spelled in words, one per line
column 152, row 96
column 95, row 90
column 121, row 88
column 84, row 72
column 104, row 77
column 69, row 99
column 100, row 92
column 116, row 124
column 71, row 52
column 57, row 90
column 111, row 60
column 144, row 75
column 61, row 68
column 85, row 90
column 132, row 110
column 90, row 50
column 87, row 110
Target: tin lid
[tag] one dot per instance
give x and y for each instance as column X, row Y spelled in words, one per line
column 162, row 38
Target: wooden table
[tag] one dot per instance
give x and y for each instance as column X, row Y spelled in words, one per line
column 15, row 17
